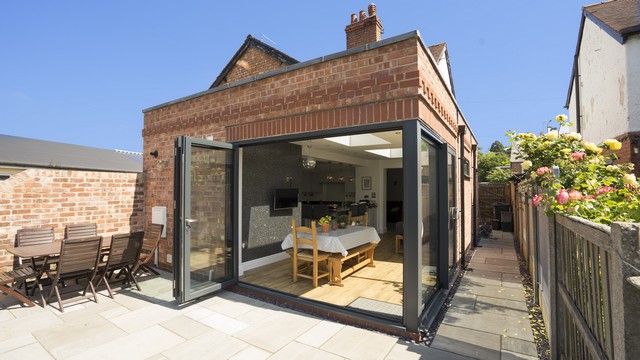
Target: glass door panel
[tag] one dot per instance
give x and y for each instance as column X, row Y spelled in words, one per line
column 453, row 211
column 205, row 250
column 429, row 204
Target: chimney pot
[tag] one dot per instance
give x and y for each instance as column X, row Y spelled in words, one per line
column 372, row 9
column 362, row 29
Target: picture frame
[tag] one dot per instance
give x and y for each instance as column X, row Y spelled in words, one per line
column 366, row 183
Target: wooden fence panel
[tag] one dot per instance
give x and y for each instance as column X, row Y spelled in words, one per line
column 584, row 308
column 488, row 194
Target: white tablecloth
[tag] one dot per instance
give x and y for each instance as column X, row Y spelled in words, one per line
column 340, row 240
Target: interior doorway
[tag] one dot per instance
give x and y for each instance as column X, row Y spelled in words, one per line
column 394, row 196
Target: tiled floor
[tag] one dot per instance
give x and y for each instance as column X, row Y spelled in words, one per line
column 487, row 320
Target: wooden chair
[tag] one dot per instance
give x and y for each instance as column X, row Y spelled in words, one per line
column 78, row 259
column 363, row 219
column 10, row 281
column 35, row 236
column 399, row 236
column 123, row 255
column 149, row 247
column 74, row 231
column 311, row 256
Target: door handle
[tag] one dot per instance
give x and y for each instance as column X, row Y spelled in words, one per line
column 189, row 222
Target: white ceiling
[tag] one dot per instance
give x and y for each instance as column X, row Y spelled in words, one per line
column 322, row 149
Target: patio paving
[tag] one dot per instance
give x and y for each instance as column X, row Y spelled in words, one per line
column 488, row 317
column 487, row 320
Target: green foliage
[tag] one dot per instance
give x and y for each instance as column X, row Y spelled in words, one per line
column 499, row 176
column 343, row 218
column 570, row 176
column 488, row 162
column 497, row 147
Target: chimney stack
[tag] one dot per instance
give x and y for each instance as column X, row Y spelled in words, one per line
column 364, row 30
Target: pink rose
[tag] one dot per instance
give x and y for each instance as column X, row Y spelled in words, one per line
column 578, row 155
column 575, row 195
column 605, row 189
column 589, row 196
column 562, row 197
column 537, row 199
column 543, row 170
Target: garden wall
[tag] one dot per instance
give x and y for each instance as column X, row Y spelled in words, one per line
column 43, row 197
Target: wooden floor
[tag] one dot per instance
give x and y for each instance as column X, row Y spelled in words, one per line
column 381, row 283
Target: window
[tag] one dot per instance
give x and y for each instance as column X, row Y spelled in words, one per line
column 466, row 168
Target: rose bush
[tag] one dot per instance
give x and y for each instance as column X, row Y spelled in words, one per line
column 568, row 175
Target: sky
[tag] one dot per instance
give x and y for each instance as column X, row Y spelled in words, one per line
column 81, row 72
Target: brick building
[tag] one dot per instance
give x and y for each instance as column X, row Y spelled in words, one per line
column 46, row 183
column 376, row 122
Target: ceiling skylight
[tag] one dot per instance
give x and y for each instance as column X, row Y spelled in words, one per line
column 388, row 153
column 358, row 140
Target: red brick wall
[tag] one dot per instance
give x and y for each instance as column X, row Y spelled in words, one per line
column 626, row 153
column 252, row 62
column 39, row 197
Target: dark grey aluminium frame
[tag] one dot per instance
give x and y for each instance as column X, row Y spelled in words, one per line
column 413, row 131
column 181, row 144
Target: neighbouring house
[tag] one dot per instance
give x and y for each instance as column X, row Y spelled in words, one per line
column 376, row 124
column 604, row 92
column 46, row 183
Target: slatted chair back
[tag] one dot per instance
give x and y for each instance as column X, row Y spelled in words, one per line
column 123, row 255
column 79, row 256
column 363, row 219
column 74, row 231
column 125, row 249
column 149, row 248
column 312, row 255
column 150, row 242
column 35, row 236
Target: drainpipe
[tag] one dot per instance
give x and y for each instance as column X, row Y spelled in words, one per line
column 577, row 84
column 462, row 129
column 474, row 202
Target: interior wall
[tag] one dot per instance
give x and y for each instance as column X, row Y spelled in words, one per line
column 264, row 169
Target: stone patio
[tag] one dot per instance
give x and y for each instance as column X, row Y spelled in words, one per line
column 488, row 319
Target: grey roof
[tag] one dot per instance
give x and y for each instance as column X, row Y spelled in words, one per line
column 25, row 152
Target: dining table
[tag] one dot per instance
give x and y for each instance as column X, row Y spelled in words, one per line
column 355, row 243
column 338, row 240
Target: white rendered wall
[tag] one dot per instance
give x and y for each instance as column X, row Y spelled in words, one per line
column 632, row 47
column 604, row 85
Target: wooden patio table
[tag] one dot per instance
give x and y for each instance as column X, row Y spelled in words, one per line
column 46, row 250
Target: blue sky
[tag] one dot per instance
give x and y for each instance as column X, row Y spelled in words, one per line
column 81, row 72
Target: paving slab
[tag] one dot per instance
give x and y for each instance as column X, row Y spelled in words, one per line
column 277, row 330
column 296, row 350
column 140, row 345
column 463, row 341
column 31, row 351
column 518, row 346
column 74, row 337
column 185, row 326
column 211, row 345
column 251, row 353
column 355, row 343
column 320, row 333
column 409, row 351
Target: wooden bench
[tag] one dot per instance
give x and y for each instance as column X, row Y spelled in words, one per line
column 356, row 259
